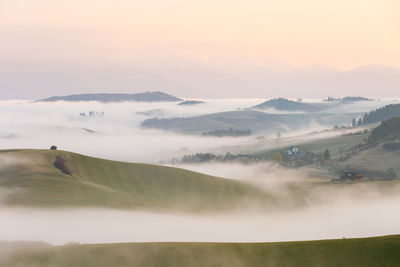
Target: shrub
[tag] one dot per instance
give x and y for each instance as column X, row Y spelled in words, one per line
column 60, row 164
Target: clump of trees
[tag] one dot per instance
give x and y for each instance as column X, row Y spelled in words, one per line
column 206, row 157
column 229, row 132
column 92, row 114
column 199, row 157
column 327, row 155
column 53, row 147
column 347, row 99
column 355, row 98
column 355, row 122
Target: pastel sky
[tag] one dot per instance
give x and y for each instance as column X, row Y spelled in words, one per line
column 234, row 37
column 341, row 34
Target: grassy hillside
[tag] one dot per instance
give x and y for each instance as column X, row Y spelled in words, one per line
column 381, row 152
column 35, row 181
column 334, row 144
column 374, row 159
column 376, row 251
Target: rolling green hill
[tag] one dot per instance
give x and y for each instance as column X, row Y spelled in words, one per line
column 374, row 159
column 376, row 251
column 334, row 144
column 33, row 180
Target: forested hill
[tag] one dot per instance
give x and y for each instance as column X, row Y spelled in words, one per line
column 381, row 114
column 389, row 130
column 140, row 97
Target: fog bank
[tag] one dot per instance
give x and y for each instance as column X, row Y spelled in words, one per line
column 366, row 218
column 117, row 134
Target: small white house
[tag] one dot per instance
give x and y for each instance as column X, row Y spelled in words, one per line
column 292, row 150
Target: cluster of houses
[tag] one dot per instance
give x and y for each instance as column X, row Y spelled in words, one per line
column 349, row 176
column 363, row 176
column 294, row 157
column 92, row 114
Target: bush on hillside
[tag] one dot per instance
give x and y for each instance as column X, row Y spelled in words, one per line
column 60, row 164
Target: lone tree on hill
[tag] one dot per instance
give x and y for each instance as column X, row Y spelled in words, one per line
column 53, row 148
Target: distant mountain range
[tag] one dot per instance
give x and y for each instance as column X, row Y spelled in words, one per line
column 139, row 97
column 198, row 80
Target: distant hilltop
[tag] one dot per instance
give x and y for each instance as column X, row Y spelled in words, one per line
column 348, row 99
column 287, row 105
column 190, row 103
column 105, row 98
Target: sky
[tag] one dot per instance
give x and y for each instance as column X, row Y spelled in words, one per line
column 130, row 44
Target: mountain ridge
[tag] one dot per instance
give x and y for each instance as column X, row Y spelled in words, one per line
column 200, row 81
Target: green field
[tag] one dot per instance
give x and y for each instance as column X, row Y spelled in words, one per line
column 376, row 251
column 375, row 158
column 334, row 144
column 34, row 181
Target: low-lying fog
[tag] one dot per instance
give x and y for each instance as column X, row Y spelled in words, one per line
column 336, row 220
column 117, row 136
column 316, row 211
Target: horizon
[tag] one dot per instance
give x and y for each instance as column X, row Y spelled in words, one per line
column 317, row 82
column 194, row 133
column 212, row 49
